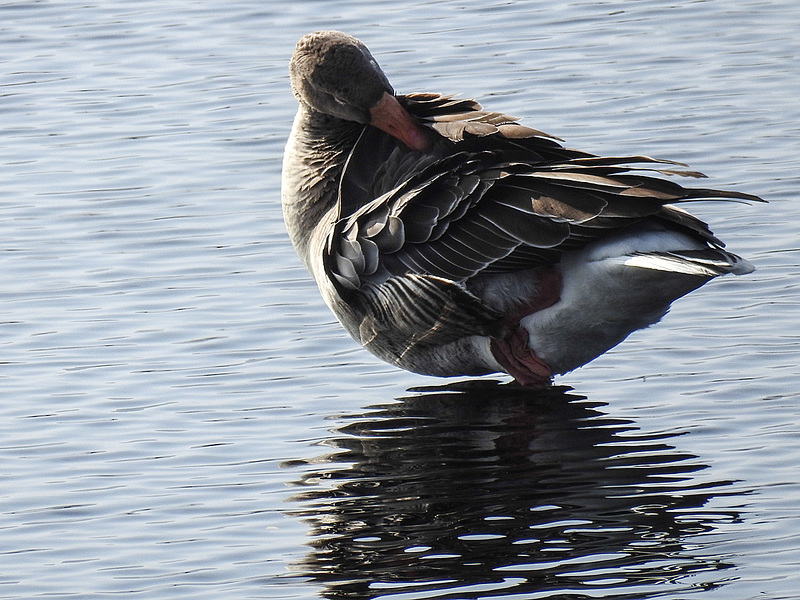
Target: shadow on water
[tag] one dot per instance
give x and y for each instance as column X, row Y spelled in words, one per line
column 488, row 490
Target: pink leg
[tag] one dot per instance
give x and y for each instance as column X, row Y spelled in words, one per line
column 513, row 352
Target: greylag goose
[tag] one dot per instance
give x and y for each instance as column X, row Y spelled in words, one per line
column 450, row 240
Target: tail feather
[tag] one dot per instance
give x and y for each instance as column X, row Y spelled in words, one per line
column 702, row 263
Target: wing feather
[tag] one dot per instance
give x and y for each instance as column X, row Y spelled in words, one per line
column 491, row 196
column 405, row 314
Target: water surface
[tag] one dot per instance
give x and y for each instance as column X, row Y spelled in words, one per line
column 181, row 416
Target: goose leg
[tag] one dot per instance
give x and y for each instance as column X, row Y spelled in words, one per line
column 519, row 361
column 513, row 352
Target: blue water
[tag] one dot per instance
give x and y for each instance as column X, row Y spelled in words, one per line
column 180, row 416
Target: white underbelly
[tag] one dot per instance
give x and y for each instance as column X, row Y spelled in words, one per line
column 608, row 292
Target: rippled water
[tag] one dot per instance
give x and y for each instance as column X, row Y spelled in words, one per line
column 492, row 491
column 181, row 417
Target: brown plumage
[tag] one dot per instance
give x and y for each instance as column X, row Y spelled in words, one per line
column 438, row 231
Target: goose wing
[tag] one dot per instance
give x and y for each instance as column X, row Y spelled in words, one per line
column 493, row 197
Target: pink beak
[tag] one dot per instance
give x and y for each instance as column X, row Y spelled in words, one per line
column 388, row 115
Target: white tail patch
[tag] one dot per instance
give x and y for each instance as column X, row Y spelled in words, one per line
column 691, row 265
column 671, row 264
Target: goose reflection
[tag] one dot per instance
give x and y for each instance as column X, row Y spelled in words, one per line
column 490, row 490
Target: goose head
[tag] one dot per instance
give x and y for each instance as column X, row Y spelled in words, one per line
column 334, row 74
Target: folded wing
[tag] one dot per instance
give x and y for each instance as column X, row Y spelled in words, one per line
column 493, row 196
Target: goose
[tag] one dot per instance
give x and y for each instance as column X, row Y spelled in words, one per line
column 450, row 240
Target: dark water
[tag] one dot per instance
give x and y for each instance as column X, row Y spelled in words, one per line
column 180, row 416
column 492, row 491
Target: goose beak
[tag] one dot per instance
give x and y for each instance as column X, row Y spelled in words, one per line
column 388, row 115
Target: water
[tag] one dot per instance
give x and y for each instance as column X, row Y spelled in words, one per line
column 181, row 417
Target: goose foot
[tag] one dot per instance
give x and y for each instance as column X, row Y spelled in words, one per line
column 519, row 360
column 513, row 352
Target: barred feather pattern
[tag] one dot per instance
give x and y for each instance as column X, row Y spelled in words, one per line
column 493, row 197
column 406, row 314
